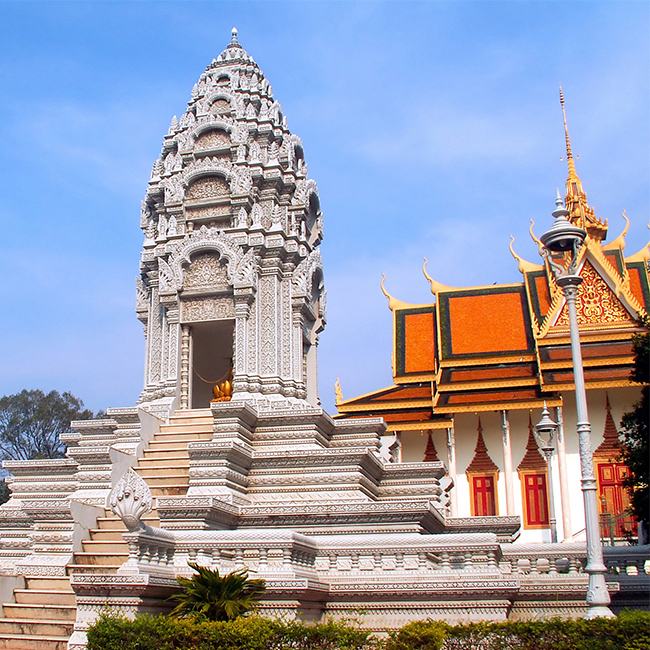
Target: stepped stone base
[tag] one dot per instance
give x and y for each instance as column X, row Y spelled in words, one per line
column 301, row 501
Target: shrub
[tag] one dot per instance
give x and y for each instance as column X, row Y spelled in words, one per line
column 145, row 632
column 629, row 631
column 209, row 596
column 419, row 635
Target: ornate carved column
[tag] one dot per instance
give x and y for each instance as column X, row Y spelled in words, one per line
column 507, row 464
column 564, row 482
column 185, row 367
column 243, row 301
column 451, row 460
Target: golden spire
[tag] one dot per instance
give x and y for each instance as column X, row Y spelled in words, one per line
column 581, row 213
column 573, row 177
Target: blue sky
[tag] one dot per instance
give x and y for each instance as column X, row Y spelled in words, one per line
column 432, row 129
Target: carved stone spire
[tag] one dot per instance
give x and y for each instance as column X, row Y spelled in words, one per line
column 581, row 213
column 234, row 254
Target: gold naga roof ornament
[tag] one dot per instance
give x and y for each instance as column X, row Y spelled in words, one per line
column 540, row 246
column 524, row 265
column 337, row 391
column 619, row 242
column 580, row 212
column 643, row 255
column 435, row 285
column 394, row 303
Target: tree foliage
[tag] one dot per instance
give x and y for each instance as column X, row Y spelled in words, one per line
column 635, row 443
column 31, row 423
column 209, row 596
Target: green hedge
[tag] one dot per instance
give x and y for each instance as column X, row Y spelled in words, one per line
column 244, row 633
column 629, row 631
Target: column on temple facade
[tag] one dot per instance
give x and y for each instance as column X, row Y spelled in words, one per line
column 243, row 298
column 451, row 460
column 507, row 463
column 185, row 367
column 564, row 482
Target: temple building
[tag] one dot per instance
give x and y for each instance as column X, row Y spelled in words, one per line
column 473, row 370
column 228, row 460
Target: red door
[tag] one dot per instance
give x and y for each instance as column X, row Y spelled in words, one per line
column 536, row 500
column 614, row 500
column 484, row 498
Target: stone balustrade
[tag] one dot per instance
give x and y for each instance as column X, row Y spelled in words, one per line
column 628, row 560
column 543, row 559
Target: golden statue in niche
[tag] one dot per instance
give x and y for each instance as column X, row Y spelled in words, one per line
column 223, row 391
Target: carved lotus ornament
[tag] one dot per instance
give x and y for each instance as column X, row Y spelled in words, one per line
column 130, row 500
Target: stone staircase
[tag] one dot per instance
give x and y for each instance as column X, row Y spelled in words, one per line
column 42, row 617
column 43, row 614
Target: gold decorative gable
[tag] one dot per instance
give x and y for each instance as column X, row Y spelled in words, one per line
column 597, row 305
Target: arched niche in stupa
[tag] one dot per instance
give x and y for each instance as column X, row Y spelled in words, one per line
column 212, row 139
column 207, row 187
column 208, row 317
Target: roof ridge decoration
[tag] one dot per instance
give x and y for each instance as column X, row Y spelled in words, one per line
column 524, row 265
column 435, row 285
column 643, row 255
column 581, row 213
column 533, row 461
column 481, row 463
column 619, row 242
column 394, row 303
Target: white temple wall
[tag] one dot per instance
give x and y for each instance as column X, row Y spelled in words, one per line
column 413, row 445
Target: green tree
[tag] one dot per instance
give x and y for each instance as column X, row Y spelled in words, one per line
column 31, row 423
column 208, row 596
column 635, row 442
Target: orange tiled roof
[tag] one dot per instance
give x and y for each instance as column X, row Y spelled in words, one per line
column 484, row 321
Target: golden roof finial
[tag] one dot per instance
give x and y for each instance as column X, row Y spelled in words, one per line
column 573, row 176
column 581, row 213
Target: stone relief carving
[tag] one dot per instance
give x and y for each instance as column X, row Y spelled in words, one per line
column 305, row 270
column 257, row 215
column 245, row 273
column 242, row 218
column 202, row 309
column 205, row 270
column 212, row 139
column 141, row 295
column 168, row 279
column 205, row 239
column 130, row 500
column 207, row 187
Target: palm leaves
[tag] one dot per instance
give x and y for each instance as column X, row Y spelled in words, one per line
column 213, row 597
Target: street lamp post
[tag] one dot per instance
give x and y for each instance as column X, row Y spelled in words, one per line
column 545, row 431
column 562, row 238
